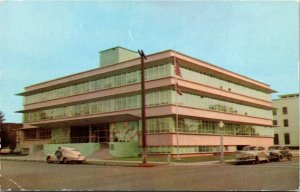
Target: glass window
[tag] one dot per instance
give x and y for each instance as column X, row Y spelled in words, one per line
column 45, row 133
column 30, row 134
column 285, row 122
column 276, row 139
column 274, row 122
column 287, row 138
column 284, row 110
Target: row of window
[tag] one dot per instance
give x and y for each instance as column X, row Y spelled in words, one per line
column 284, row 111
column 168, row 125
column 134, row 101
column 195, row 126
column 156, row 72
column 286, row 139
column 43, row 133
column 102, row 106
column 216, row 82
column 132, row 77
column 285, row 122
column 182, row 149
column 201, row 102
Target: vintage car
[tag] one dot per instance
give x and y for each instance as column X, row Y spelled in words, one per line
column 68, row 155
column 254, row 154
column 278, row 153
column 5, row 150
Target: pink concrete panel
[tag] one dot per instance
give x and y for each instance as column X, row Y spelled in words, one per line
column 158, row 140
column 190, row 140
column 170, row 139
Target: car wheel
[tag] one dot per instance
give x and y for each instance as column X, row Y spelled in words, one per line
column 65, row 160
column 49, row 160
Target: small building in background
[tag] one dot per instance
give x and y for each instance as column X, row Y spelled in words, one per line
column 286, row 120
column 186, row 99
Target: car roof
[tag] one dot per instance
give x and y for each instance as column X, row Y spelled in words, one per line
column 69, row 148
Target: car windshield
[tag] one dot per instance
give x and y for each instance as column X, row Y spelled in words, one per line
column 249, row 148
column 69, row 149
column 276, row 148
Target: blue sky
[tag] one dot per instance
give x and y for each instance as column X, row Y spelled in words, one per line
column 43, row 40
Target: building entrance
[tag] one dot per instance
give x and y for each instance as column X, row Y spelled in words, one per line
column 98, row 133
column 101, row 132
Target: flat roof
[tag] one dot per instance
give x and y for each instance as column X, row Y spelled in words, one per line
column 289, row 95
column 116, row 48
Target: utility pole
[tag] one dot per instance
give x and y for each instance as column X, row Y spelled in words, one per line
column 143, row 57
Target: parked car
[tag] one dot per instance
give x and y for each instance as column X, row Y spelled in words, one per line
column 5, row 150
column 277, row 153
column 254, row 154
column 68, row 155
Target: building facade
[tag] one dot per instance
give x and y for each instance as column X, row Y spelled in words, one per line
column 103, row 105
column 286, row 120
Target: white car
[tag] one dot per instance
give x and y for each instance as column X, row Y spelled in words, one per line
column 254, row 154
column 68, row 155
column 5, row 150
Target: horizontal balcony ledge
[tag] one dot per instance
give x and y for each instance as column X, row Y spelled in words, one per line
column 168, row 110
column 208, row 134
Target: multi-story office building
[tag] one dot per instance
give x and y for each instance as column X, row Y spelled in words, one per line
column 286, row 120
column 103, row 105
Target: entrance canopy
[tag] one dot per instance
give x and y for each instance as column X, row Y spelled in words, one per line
column 86, row 120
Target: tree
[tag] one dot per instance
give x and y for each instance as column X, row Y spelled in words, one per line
column 3, row 131
column 1, row 119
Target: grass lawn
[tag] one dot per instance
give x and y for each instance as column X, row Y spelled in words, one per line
column 183, row 159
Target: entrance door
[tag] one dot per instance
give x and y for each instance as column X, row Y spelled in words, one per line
column 79, row 134
column 101, row 132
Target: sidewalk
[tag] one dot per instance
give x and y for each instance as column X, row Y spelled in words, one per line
column 108, row 162
column 92, row 161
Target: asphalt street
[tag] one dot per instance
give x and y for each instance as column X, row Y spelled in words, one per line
column 20, row 175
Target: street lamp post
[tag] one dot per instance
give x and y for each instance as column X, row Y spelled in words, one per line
column 221, row 125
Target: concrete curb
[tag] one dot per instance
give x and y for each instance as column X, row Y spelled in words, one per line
column 96, row 162
column 121, row 163
column 127, row 163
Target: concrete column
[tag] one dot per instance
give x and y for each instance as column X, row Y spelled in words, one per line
column 90, row 133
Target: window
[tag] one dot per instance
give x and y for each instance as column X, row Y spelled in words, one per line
column 45, row 133
column 274, row 122
column 285, row 123
column 274, row 112
column 30, row 134
column 287, row 138
column 284, row 110
column 276, row 139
